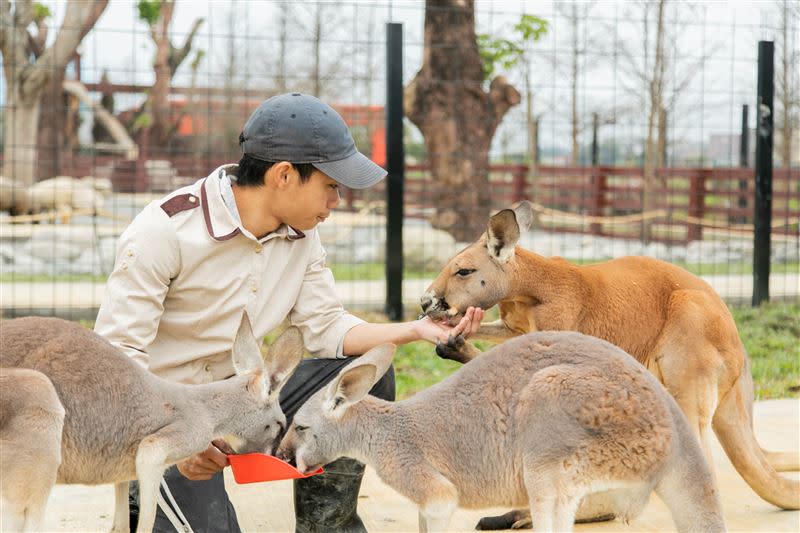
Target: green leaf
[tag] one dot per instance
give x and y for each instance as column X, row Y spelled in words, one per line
column 149, row 11
column 499, row 53
column 41, row 12
column 531, row 27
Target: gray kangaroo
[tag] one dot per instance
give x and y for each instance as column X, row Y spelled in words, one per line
column 124, row 423
column 544, row 420
column 31, row 420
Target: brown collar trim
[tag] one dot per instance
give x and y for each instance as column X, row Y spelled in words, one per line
column 207, row 217
column 297, row 236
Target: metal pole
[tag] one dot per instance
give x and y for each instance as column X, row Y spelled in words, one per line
column 744, row 140
column 763, row 174
column 395, row 165
column 595, row 148
column 744, row 155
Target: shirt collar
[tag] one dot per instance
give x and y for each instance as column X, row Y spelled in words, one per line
column 221, row 223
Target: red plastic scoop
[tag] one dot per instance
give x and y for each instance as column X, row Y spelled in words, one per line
column 257, row 467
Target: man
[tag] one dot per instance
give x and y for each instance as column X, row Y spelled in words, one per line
column 243, row 239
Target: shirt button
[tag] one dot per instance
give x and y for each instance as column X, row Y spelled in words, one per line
column 207, row 368
column 258, row 248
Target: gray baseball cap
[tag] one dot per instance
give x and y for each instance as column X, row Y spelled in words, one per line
column 300, row 128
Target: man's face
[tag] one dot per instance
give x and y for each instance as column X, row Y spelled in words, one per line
column 307, row 204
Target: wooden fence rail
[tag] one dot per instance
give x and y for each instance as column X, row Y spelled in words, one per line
column 688, row 199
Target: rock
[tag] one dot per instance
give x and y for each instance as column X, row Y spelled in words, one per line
column 59, row 243
column 101, row 185
column 14, row 197
column 64, row 193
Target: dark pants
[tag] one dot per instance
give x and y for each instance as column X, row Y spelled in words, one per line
column 323, row 503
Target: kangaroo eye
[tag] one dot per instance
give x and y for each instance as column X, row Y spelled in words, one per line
column 464, row 272
column 300, row 429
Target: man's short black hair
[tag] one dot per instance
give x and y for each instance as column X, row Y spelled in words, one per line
column 251, row 171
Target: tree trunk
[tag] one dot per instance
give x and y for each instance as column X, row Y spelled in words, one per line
column 316, row 74
column 52, row 115
column 649, row 184
column 20, row 155
column 283, row 39
column 26, row 78
column 786, row 90
column 457, row 117
column 662, row 139
column 159, row 95
column 533, row 134
column 574, row 84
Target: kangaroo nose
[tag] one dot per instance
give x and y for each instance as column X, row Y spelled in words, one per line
column 425, row 302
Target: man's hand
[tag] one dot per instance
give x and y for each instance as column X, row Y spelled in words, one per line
column 206, row 463
column 436, row 332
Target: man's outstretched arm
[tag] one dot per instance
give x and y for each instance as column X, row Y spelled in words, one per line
column 363, row 337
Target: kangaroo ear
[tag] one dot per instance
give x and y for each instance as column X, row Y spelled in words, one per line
column 380, row 356
column 523, row 212
column 355, row 380
column 283, row 357
column 502, row 235
column 246, row 352
column 349, row 387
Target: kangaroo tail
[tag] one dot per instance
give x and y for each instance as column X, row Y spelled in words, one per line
column 733, row 425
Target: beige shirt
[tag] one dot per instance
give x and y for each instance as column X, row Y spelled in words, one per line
column 186, row 270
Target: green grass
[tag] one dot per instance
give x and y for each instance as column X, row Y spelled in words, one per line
column 771, row 335
column 376, row 271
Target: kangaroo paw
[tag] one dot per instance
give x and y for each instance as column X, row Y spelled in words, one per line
column 517, row 519
column 455, row 349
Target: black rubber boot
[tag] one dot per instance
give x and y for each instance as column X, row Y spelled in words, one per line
column 328, row 502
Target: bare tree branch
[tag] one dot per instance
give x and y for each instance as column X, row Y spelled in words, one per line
column 177, row 55
column 79, row 18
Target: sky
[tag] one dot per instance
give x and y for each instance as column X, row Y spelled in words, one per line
column 715, row 43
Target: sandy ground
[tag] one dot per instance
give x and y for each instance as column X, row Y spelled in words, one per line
column 268, row 507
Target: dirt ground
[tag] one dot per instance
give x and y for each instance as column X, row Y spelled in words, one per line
column 268, row 507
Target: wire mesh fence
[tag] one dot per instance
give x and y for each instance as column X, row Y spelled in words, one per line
column 621, row 122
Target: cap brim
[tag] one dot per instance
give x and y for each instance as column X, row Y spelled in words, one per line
column 356, row 171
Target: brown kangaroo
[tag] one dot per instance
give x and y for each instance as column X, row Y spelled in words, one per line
column 670, row 320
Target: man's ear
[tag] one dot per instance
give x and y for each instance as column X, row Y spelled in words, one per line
column 502, row 235
column 279, row 175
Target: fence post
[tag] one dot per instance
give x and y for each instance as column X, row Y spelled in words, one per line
column 395, row 163
column 518, row 190
column 598, row 198
column 697, row 197
column 762, row 218
column 744, row 155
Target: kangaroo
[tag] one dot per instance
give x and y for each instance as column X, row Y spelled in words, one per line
column 543, row 420
column 124, row 423
column 668, row 319
column 31, row 420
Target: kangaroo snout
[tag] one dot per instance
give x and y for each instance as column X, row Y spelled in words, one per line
column 435, row 307
column 425, row 301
